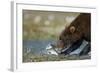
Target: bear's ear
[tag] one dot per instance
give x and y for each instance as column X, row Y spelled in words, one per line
column 72, row 29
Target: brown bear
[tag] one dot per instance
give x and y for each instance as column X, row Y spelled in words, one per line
column 78, row 30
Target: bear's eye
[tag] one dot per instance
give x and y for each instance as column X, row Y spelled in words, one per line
column 72, row 29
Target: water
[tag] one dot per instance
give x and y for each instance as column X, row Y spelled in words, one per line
column 36, row 46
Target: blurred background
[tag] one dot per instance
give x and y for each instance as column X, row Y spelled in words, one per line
column 45, row 24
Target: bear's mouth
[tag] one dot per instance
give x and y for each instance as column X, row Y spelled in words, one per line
column 60, row 46
column 65, row 48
